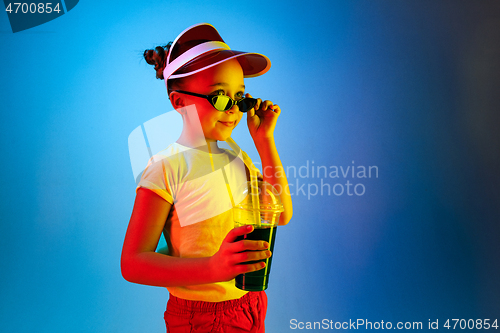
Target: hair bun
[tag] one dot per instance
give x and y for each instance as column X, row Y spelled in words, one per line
column 157, row 58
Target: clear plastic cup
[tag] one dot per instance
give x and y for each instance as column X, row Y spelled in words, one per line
column 260, row 208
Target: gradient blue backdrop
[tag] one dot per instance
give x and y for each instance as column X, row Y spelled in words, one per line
column 408, row 86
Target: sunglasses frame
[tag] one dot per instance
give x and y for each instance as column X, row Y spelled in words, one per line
column 210, row 99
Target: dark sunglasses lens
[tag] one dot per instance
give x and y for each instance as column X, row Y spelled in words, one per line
column 246, row 104
column 222, row 103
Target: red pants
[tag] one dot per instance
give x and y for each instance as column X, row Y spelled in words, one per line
column 246, row 314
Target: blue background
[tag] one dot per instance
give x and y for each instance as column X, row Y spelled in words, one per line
column 408, row 86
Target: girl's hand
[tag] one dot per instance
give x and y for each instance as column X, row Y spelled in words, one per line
column 261, row 119
column 227, row 262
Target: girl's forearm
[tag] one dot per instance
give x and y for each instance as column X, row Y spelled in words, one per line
column 156, row 269
column 274, row 173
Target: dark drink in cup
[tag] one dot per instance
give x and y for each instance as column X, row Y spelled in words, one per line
column 264, row 217
column 258, row 280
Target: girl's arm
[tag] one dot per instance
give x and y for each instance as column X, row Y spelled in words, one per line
column 141, row 264
column 273, row 173
column 261, row 123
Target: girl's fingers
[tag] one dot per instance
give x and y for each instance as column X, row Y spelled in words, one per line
column 251, row 113
column 240, row 231
column 240, row 247
column 258, row 105
column 269, row 106
column 251, row 245
column 253, row 256
column 241, row 269
column 266, row 105
column 276, row 109
column 238, row 258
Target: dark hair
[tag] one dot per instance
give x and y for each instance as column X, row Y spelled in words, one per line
column 157, row 57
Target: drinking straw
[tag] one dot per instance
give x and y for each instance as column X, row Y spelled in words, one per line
column 254, row 185
column 275, row 202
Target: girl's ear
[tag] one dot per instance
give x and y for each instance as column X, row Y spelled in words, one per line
column 177, row 100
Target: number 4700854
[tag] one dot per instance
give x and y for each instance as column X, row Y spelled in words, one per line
column 32, row 8
column 471, row 324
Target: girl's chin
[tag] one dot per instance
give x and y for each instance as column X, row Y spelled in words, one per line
column 223, row 135
column 218, row 137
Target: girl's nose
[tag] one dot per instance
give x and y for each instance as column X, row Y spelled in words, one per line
column 233, row 109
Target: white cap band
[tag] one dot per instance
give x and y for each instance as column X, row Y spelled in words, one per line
column 189, row 55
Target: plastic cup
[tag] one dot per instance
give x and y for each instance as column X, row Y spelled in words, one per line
column 261, row 208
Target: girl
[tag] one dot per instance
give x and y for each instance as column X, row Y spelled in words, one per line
column 183, row 191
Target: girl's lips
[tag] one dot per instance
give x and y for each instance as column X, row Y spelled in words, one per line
column 227, row 123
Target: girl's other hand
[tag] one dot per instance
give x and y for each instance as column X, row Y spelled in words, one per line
column 262, row 118
column 227, row 263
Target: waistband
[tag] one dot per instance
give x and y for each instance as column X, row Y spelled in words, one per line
column 201, row 306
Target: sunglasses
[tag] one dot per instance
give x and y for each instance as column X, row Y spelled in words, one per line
column 223, row 103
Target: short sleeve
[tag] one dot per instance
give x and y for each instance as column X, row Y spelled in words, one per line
column 155, row 179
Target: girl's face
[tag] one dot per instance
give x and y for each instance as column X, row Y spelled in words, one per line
column 225, row 78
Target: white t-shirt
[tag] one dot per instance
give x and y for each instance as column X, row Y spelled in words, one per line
column 201, row 188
